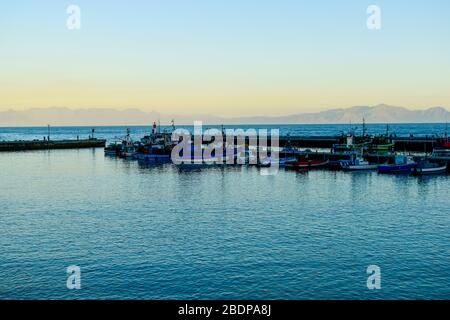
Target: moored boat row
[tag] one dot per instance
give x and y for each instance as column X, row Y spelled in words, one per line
column 158, row 146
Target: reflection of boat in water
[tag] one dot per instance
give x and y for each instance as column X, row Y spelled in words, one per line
column 426, row 167
column 403, row 164
column 307, row 164
column 194, row 162
column 150, row 156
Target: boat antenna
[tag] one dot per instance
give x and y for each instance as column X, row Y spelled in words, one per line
column 364, row 127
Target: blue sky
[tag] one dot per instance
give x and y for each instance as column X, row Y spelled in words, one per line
column 224, row 57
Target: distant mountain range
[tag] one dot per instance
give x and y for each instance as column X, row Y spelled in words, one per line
column 95, row 117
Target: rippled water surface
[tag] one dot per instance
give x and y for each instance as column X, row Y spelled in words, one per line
column 159, row 232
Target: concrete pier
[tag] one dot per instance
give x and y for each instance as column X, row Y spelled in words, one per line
column 401, row 144
column 48, row 145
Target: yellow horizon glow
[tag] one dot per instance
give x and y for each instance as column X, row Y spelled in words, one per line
column 185, row 101
column 227, row 60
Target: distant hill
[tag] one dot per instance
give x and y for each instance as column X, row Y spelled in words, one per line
column 377, row 114
column 94, row 117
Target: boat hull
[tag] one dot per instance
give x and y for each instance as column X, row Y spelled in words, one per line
column 429, row 171
column 281, row 162
column 306, row 164
column 363, row 167
column 397, row 169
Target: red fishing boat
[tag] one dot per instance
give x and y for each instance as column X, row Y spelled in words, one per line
column 444, row 143
column 305, row 164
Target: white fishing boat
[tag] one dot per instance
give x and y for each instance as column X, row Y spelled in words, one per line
column 440, row 153
column 426, row 167
column 359, row 164
column 128, row 150
column 272, row 161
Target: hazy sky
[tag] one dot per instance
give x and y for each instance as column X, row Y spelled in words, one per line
column 224, row 57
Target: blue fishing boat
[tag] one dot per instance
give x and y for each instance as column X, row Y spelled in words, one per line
column 403, row 164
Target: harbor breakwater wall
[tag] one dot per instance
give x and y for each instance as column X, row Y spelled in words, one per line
column 48, row 145
column 401, row 144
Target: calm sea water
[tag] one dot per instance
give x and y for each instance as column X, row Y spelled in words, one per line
column 118, row 132
column 159, row 232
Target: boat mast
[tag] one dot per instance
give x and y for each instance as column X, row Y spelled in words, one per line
column 446, row 129
column 364, row 127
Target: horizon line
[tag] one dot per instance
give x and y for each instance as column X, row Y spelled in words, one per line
column 225, row 125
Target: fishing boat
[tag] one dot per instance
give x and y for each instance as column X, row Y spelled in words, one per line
column 350, row 145
column 306, row 164
column 113, row 149
column 157, row 146
column 150, row 154
column 403, row 164
column 444, row 142
column 337, row 164
column 382, row 144
column 359, row 164
column 128, row 149
column 352, row 142
column 153, row 152
column 441, row 154
column 426, row 167
column 381, row 148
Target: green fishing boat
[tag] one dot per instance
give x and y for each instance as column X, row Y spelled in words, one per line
column 382, row 143
column 353, row 143
column 382, row 147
